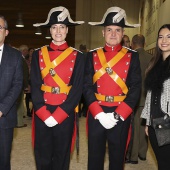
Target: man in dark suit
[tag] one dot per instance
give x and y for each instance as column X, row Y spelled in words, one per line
column 11, row 78
column 140, row 140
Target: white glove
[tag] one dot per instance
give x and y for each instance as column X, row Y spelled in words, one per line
column 113, row 118
column 50, row 122
column 105, row 120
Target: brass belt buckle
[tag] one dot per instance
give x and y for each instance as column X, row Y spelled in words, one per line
column 52, row 72
column 55, row 90
column 109, row 99
column 109, row 70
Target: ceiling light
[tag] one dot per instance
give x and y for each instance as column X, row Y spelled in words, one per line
column 48, row 35
column 19, row 21
column 38, row 31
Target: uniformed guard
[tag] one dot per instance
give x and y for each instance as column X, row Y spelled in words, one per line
column 56, row 84
column 111, row 89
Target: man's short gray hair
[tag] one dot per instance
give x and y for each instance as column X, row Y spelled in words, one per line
column 5, row 21
column 23, row 47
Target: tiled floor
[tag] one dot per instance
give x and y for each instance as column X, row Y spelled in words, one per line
column 23, row 158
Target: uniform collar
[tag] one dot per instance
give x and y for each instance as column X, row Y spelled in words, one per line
column 115, row 48
column 59, row 47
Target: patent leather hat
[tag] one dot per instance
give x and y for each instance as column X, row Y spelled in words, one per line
column 114, row 16
column 58, row 15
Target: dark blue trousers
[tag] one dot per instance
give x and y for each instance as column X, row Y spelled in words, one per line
column 116, row 138
column 53, row 144
column 6, row 137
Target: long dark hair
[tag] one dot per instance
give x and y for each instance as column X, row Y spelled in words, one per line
column 158, row 52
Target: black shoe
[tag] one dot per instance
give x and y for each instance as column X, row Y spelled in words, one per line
column 84, row 115
column 131, row 162
column 29, row 115
column 127, row 161
column 141, row 158
column 25, row 125
column 134, row 162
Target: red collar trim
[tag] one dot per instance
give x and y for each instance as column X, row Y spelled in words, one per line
column 115, row 48
column 59, row 47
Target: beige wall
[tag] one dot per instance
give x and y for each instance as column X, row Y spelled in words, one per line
column 83, row 12
column 149, row 10
column 93, row 10
column 151, row 14
column 164, row 13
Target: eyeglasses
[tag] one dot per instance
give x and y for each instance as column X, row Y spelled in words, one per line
column 1, row 28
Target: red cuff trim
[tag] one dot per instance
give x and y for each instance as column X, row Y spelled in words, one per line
column 59, row 115
column 42, row 113
column 123, row 110
column 95, row 108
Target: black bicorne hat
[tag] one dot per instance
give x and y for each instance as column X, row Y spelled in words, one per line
column 114, row 16
column 58, row 15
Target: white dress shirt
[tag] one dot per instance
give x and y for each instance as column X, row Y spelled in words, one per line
column 1, row 50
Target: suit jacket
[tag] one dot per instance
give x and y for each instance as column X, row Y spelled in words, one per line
column 11, row 81
column 144, row 58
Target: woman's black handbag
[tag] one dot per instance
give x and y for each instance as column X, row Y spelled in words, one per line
column 162, row 129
